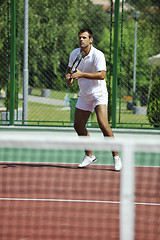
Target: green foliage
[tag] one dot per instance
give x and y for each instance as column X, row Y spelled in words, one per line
column 53, row 28
column 53, row 34
column 3, row 45
column 153, row 111
column 144, row 51
column 144, row 5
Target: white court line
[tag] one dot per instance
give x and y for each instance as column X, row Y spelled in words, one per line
column 73, row 200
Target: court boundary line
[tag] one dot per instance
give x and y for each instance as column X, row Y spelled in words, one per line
column 73, row 200
column 71, row 129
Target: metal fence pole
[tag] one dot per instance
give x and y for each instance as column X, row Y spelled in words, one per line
column 25, row 68
column 137, row 13
column 13, row 61
column 115, row 63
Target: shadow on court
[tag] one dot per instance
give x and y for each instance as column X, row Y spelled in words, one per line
column 73, row 166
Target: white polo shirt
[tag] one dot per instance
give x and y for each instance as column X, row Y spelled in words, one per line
column 93, row 62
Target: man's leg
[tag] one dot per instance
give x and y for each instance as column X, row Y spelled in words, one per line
column 102, row 118
column 80, row 120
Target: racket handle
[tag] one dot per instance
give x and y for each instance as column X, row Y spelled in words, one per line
column 73, row 72
column 70, row 79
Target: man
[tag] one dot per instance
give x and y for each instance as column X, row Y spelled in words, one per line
column 93, row 93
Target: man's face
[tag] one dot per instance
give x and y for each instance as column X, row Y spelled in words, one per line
column 84, row 40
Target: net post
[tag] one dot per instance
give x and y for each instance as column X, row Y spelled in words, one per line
column 127, row 184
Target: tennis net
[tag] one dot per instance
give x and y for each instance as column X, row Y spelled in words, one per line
column 44, row 195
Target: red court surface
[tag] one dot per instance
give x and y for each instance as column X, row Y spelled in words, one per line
column 62, row 202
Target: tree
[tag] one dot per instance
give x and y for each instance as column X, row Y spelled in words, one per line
column 4, row 51
column 53, row 28
column 153, row 110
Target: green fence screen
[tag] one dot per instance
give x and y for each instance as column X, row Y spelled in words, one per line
column 37, row 38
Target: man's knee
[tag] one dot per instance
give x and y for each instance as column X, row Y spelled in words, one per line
column 104, row 127
column 80, row 129
column 78, row 126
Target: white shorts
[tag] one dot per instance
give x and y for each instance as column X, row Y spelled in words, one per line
column 89, row 103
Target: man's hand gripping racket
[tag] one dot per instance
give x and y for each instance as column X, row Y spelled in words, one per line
column 75, row 65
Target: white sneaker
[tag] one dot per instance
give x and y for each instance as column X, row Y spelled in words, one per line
column 117, row 163
column 87, row 160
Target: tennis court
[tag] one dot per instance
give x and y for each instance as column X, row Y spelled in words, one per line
column 45, row 196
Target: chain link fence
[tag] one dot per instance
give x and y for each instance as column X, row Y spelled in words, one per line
column 140, row 40
column 53, row 33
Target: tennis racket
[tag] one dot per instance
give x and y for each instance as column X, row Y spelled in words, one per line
column 76, row 62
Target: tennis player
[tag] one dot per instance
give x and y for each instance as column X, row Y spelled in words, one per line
column 93, row 93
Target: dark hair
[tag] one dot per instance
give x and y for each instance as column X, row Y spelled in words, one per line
column 86, row 30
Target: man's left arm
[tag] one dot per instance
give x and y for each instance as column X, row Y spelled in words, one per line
column 100, row 75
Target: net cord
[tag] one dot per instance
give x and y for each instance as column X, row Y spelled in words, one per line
column 55, row 141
